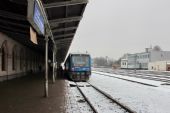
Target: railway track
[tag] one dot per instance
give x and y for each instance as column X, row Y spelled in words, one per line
column 161, row 78
column 149, row 77
column 144, row 75
column 99, row 101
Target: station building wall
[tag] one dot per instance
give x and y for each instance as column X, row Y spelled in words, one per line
column 159, row 56
column 159, row 66
column 141, row 60
column 16, row 59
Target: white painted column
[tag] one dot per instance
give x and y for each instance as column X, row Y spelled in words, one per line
column 53, row 65
column 46, row 66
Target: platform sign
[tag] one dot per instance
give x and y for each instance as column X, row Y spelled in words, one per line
column 33, row 36
column 38, row 17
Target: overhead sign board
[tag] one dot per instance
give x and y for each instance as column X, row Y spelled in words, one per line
column 38, row 18
column 35, row 16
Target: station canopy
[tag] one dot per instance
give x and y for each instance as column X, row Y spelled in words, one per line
column 63, row 16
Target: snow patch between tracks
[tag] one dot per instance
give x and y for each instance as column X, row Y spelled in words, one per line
column 133, row 79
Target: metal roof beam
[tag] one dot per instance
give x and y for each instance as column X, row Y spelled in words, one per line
column 22, row 2
column 55, row 22
column 14, row 23
column 65, row 38
column 64, row 41
column 10, row 15
column 65, row 3
column 64, row 29
column 64, row 35
column 57, row 39
column 2, row 29
column 68, row 42
column 6, row 28
column 64, row 45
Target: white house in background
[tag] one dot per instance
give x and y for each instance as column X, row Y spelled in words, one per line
column 128, row 61
column 124, row 61
column 135, row 61
column 141, row 60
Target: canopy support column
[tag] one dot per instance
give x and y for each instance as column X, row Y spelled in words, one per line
column 46, row 66
column 53, row 65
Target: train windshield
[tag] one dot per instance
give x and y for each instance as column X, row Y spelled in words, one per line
column 80, row 61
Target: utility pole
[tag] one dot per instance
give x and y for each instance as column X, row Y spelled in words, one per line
column 135, row 63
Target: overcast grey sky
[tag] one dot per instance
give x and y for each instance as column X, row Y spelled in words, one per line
column 114, row 27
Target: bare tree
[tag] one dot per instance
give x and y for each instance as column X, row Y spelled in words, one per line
column 103, row 61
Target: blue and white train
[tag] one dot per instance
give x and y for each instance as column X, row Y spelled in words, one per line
column 78, row 67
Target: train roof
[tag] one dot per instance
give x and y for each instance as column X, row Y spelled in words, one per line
column 70, row 54
column 79, row 54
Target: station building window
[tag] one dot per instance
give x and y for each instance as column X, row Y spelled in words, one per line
column 4, row 56
column 26, row 62
column 14, row 58
column 21, row 59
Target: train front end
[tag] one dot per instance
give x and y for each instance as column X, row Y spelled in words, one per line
column 80, row 67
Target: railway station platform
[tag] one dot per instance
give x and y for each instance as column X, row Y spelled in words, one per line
column 25, row 95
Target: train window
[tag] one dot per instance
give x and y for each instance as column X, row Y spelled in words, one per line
column 4, row 56
column 80, row 61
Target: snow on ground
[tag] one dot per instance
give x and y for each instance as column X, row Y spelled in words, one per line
column 83, row 106
column 151, row 82
column 75, row 101
column 140, row 98
column 101, row 103
column 71, row 104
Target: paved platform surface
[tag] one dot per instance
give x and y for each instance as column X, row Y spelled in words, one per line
column 25, row 95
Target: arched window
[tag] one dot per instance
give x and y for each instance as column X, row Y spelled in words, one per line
column 14, row 58
column 21, row 59
column 4, row 56
column 26, row 60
